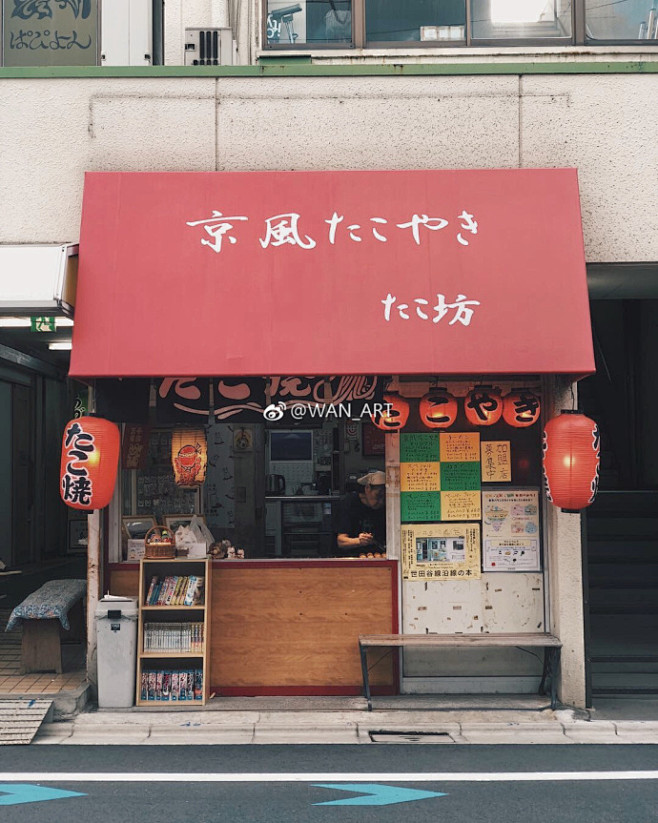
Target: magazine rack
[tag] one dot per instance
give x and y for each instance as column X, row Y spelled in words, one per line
column 173, row 641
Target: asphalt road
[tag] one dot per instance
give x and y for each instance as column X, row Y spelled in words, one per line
column 284, row 784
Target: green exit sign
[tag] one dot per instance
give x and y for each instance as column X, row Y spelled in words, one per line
column 42, row 323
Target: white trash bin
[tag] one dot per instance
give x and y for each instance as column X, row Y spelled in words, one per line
column 116, row 651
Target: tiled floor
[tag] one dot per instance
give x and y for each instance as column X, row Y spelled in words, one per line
column 13, row 683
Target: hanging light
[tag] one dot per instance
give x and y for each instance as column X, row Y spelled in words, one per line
column 571, row 460
column 521, row 409
column 189, row 456
column 90, row 458
column 438, row 409
column 395, row 414
column 483, row 406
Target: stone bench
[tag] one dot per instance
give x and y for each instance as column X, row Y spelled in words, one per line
column 44, row 616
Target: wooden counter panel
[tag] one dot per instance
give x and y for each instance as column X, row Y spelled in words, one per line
column 298, row 627
column 124, row 582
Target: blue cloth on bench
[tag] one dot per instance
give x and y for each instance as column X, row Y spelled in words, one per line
column 52, row 600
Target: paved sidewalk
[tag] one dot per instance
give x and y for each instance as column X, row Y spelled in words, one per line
column 345, row 720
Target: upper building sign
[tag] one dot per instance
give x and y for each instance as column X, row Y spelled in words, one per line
column 50, row 32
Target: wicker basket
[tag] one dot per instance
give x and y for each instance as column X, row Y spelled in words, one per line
column 159, row 544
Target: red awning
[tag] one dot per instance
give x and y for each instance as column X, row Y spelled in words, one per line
column 396, row 272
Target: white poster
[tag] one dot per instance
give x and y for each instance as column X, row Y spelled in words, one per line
column 511, row 538
column 512, row 555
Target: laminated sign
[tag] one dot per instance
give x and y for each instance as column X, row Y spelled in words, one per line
column 441, row 551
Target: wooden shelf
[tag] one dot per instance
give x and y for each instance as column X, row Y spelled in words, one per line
column 165, row 661
column 169, row 655
column 173, row 608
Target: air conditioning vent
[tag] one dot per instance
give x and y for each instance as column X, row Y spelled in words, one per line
column 208, row 47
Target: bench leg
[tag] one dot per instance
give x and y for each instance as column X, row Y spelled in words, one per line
column 41, row 650
column 366, row 680
column 551, row 665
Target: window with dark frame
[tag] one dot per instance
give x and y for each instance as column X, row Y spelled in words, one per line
column 326, row 24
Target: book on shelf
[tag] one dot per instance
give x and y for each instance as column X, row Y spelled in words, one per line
column 176, row 590
column 182, row 591
column 151, row 589
column 189, row 594
column 173, row 684
column 173, row 637
column 169, row 590
column 195, row 592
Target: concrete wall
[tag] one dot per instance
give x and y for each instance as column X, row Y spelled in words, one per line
column 53, row 130
column 565, row 573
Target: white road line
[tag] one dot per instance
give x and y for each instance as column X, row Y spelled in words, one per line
column 320, row 777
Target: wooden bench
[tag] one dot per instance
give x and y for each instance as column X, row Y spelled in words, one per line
column 44, row 616
column 552, row 647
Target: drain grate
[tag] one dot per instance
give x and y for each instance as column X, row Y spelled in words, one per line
column 20, row 719
column 410, row 737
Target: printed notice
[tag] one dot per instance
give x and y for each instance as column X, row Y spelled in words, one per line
column 510, row 530
column 420, row 477
column 496, row 461
column 512, row 555
column 460, row 447
column 441, row 551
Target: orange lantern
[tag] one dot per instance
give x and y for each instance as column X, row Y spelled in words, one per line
column 483, row 406
column 189, row 456
column 90, row 458
column 571, row 460
column 394, row 415
column 521, row 409
column 438, row 409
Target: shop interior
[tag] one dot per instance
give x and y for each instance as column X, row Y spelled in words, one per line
column 274, row 489
column 271, row 491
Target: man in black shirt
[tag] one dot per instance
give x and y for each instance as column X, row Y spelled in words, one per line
column 361, row 522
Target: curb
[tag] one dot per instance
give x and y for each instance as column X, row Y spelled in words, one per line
column 243, row 728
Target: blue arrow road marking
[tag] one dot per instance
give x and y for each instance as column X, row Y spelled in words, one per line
column 376, row 794
column 14, row 793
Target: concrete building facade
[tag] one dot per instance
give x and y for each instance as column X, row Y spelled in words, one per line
column 589, row 107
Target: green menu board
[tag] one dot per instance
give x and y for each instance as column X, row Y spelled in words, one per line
column 420, row 507
column 460, row 477
column 419, row 448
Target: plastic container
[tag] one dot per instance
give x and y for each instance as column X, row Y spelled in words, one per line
column 116, row 639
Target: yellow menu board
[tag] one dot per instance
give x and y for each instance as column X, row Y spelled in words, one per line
column 461, row 506
column 441, row 551
column 420, row 477
column 460, row 447
column 496, row 461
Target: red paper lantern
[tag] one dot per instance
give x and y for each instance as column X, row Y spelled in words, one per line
column 521, row 409
column 483, row 406
column 395, row 416
column 90, row 458
column 571, row 460
column 438, row 409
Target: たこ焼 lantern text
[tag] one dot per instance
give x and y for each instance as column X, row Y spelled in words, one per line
column 90, row 459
